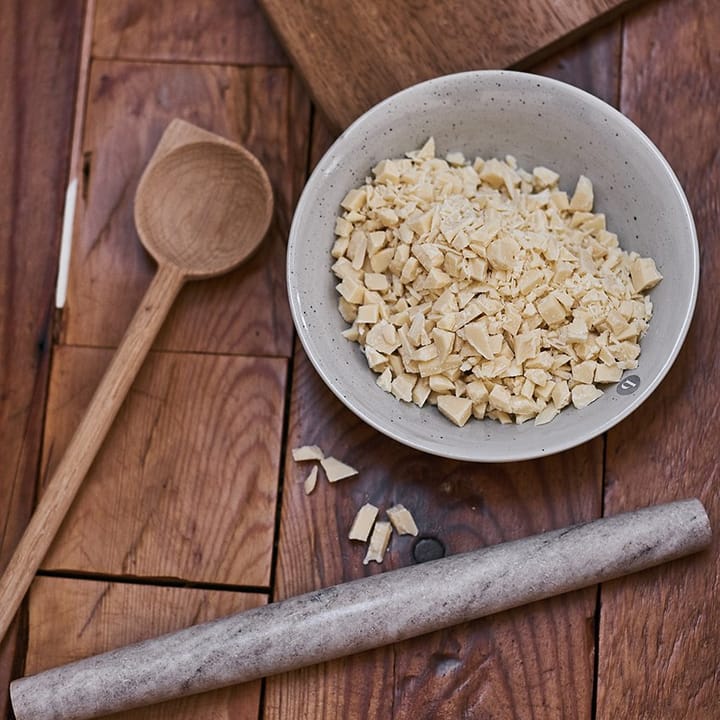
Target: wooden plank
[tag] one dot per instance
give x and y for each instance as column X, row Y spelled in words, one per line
column 72, row 619
column 531, row 662
column 375, row 50
column 185, row 484
column 232, row 32
column 464, row 506
column 659, row 634
column 244, row 312
column 39, row 53
column 592, row 65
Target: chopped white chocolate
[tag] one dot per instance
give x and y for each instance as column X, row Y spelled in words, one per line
column 307, row 452
column 379, row 541
column 544, row 178
column 583, row 395
column 337, row 470
column 546, row 415
column 644, row 274
column 376, row 281
column 582, row 198
column 484, row 289
column 367, row 314
column 311, row 480
column 385, row 380
column 456, row 409
column 402, row 520
column 607, row 374
column 363, row 522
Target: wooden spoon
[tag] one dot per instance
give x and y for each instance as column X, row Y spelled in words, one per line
column 202, row 207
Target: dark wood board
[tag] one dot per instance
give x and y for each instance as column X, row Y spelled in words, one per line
column 39, row 60
column 353, row 54
column 660, row 633
column 232, row 32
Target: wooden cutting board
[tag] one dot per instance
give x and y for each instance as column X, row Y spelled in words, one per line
column 356, row 52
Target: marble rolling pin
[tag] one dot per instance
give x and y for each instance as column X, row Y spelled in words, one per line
column 362, row 614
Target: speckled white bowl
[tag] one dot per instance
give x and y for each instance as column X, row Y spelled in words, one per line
column 540, row 122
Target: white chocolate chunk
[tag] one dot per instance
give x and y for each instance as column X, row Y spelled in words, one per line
column 421, row 392
column 428, row 149
column 379, row 541
column 456, row 409
column 582, row 198
column 402, row 387
column 383, row 337
column 607, row 374
column 307, row 452
column 402, row 520
column 502, row 253
column 363, row 522
column 644, row 274
column 583, row 395
column 387, row 171
column 584, row 372
column 544, row 178
column 355, row 199
column 441, row 384
column 548, row 413
column 551, row 310
column 311, row 480
column 385, row 380
column 351, row 290
column 368, row 314
column 455, row 158
column 337, row 470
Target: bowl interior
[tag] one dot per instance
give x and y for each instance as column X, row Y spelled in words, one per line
column 540, row 122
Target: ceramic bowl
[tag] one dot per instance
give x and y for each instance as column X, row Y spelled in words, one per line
column 541, row 122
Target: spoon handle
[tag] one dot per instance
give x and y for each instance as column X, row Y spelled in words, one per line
column 60, row 491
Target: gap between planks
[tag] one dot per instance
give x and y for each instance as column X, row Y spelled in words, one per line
column 166, row 351
column 152, row 581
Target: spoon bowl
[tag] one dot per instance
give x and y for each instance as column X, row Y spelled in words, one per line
column 204, row 208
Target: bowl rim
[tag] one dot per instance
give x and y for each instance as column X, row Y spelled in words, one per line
column 517, row 456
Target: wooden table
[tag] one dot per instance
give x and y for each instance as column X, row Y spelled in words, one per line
column 194, row 508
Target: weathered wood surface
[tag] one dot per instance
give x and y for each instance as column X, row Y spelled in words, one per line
column 537, row 662
column 130, row 104
column 185, row 484
column 73, row 619
column 232, row 32
column 660, row 635
column 39, row 53
column 354, row 54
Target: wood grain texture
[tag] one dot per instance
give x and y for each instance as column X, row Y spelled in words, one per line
column 39, row 53
column 67, row 477
column 130, row 104
column 232, row 32
column 72, row 619
column 195, row 176
column 515, row 662
column 592, row 65
column 360, row 42
column 535, row 662
column 660, row 635
column 185, row 484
